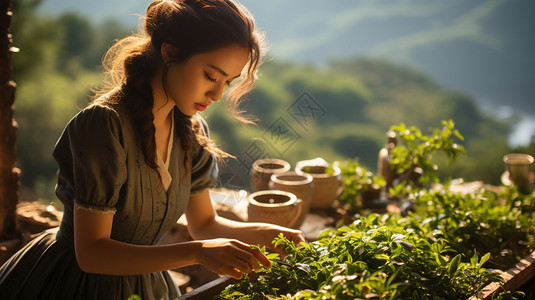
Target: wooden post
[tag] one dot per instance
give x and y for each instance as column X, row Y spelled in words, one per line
column 9, row 174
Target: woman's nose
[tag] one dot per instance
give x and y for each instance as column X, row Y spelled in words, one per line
column 216, row 92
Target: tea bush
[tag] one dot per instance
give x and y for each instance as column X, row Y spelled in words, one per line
column 440, row 251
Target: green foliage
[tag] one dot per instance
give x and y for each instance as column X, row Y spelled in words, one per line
column 360, row 141
column 356, row 179
column 479, row 221
column 41, row 112
column 416, row 150
column 526, row 149
column 54, row 71
column 441, row 251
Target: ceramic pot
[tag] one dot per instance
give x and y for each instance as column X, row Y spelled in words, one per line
column 518, row 165
column 262, row 170
column 275, row 207
column 327, row 187
column 298, row 184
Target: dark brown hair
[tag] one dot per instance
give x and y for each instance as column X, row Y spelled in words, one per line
column 192, row 27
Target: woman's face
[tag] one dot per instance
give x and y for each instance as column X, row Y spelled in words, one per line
column 196, row 82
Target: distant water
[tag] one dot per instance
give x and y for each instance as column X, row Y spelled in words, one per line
column 523, row 131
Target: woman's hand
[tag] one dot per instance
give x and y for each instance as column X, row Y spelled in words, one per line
column 231, row 257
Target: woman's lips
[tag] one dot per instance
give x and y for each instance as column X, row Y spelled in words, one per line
column 200, row 107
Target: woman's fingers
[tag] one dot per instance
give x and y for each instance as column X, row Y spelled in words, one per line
column 256, row 256
column 240, row 265
column 297, row 237
column 231, row 257
column 260, row 257
column 234, row 273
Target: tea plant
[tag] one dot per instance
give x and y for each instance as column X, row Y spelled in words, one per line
column 356, row 179
column 415, row 150
column 437, row 252
column 366, row 261
column 485, row 221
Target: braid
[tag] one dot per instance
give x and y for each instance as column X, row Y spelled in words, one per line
column 138, row 99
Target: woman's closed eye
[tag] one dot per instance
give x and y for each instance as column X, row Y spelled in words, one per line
column 227, row 83
column 209, row 78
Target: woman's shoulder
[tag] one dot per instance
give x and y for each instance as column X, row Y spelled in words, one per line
column 98, row 126
column 108, row 105
column 103, row 109
column 98, row 116
column 96, row 113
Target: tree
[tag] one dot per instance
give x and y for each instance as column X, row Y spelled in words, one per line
column 9, row 174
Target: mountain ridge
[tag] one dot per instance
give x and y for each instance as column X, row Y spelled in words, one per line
column 483, row 48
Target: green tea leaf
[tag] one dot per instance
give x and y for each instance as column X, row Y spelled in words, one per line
column 484, row 259
column 454, row 264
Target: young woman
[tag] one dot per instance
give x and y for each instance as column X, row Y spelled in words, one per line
column 139, row 156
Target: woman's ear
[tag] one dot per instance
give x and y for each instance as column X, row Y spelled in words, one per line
column 168, row 52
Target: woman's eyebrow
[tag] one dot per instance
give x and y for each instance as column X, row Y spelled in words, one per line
column 221, row 71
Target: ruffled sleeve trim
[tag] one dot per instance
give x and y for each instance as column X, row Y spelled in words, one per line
column 95, row 209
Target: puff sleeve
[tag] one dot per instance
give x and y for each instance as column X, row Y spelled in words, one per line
column 204, row 169
column 91, row 159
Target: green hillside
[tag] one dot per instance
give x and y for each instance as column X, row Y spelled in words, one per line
column 338, row 111
column 483, row 48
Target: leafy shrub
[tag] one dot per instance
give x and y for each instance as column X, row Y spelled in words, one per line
column 437, row 252
column 415, row 150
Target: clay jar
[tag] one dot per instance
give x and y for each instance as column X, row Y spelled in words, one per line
column 275, row 207
column 326, row 188
column 262, row 170
column 518, row 165
column 298, row 184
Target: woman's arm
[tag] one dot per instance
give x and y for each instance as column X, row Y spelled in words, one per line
column 96, row 252
column 203, row 223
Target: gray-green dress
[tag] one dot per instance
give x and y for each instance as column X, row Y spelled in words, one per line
column 101, row 167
